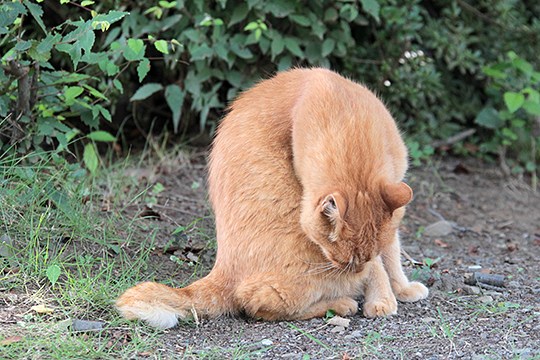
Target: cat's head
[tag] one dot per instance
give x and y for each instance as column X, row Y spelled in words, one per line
column 351, row 227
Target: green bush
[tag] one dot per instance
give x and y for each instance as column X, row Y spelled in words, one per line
column 425, row 59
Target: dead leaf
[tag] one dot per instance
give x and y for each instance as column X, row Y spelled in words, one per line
column 441, row 243
column 339, row 321
column 145, row 354
column 473, row 250
column 10, row 340
column 345, row 357
column 42, row 309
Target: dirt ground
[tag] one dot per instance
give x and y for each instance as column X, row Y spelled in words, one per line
column 495, row 231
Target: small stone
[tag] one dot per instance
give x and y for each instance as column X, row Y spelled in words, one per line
column 339, row 321
column 471, row 290
column 428, row 319
column 485, row 299
column 440, row 228
column 267, row 342
column 6, row 246
column 353, row 335
column 338, row 329
column 86, row 325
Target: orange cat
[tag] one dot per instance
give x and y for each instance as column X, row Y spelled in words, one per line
column 305, row 182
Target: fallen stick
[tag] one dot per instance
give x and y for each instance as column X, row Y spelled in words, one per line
column 480, row 279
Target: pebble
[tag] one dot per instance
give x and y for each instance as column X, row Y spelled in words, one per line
column 471, row 290
column 86, row 325
column 267, row 342
column 440, row 228
column 338, row 329
column 353, row 335
column 485, row 299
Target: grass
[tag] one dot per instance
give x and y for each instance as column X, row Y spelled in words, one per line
column 60, row 250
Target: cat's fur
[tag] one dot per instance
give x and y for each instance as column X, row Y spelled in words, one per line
column 305, row 180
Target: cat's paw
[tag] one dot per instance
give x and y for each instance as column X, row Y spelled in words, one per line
column 412, row 292
column 380, row 307
column 344, row 306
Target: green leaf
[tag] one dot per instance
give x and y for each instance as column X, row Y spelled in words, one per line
column 513, row 100
column 532, row 94
column 36, row 12
column 489, row 118
column 102, row 136
column 239, row 14
column 118, row 85
column 372, row 7
column 90, row 158
column 74, row 51
column 135, row 50
column 146, row 91
column 87, row 2
column 251, row 26
column 105, row 113
column 175, row 99
column 71, row 93
column 349, row 12
column 162, row 46
column 53, row 273
column 143, row 68
column 494, row 72
column 278, row 45
column 201, row 52
column 167, row 4
column 532, row 107
column 45, row 45
column 300, row 20
column 22, row 45
column 327, row 47
column 111, row 17
column 523, row 65
column 87, row 39
column 292, row 45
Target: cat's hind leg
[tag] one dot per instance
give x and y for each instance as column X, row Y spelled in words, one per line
column 278, row 297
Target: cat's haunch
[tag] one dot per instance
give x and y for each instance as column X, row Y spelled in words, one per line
column 305, row 179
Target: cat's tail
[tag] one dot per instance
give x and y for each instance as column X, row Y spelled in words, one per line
column 161, row 306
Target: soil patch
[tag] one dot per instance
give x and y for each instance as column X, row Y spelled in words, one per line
column 494, row 229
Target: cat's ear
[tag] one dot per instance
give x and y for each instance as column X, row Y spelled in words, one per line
column 396, row 195
column 334, row 206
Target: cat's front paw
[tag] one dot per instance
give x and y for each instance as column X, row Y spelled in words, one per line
column 380, row 307
column 412, row 292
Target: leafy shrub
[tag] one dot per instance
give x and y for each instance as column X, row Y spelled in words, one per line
column 516, row 126
column 426, row 59
column 41, row 96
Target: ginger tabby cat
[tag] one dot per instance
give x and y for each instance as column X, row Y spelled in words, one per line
column 305, row 179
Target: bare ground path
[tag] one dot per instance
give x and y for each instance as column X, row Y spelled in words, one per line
column 495, row 230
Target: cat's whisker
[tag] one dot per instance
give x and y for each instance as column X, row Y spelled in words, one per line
column 322, row 268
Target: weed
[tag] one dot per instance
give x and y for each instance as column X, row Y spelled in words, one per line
column 61, row 251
